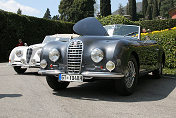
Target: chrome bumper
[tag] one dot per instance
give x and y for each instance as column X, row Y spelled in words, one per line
column 24, row 65
column 85, row 74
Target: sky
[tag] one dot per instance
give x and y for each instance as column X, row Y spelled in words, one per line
column 37, row 8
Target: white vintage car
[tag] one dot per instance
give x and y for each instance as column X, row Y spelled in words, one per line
column 24, row 57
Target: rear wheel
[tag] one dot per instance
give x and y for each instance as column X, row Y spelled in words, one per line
column 55, row 84
column 126, row 86
column 19, row 70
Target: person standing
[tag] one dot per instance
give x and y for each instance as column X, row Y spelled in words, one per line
column 20, row 43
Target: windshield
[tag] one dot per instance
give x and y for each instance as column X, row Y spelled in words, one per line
column 49, row 39
column 123, row 30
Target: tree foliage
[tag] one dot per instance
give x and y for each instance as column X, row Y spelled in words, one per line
column 64, row 9
column 165, row 6
column 144, row 6
column 75, row 10
column 121, row 10
column 19, row 11
column 105, row 7
column 132, row 9
column 81, row 9
column 47, row 14
column 127, row 9
column 56, row 17
column 149, row 12
column 155, row 11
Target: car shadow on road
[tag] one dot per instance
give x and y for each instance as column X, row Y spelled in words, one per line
column 148, row 89
column 31, row 73
column 9, row 95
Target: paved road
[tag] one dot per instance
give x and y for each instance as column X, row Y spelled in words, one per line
column 29, row 96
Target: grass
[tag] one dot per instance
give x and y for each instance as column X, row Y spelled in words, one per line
column 168, row 71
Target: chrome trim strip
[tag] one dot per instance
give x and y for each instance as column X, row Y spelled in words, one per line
column 102, row 74
column 49, row 72
column 85, row 74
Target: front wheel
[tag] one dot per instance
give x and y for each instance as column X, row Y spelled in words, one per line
column 19, row 70
column 126, row 86
column 55, row 84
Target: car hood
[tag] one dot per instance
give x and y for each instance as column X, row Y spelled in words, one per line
column 90, row 26
column 36, row 46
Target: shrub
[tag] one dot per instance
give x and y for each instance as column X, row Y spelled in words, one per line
column 115, row 19
column 157, row 24
column 166, row 38
column 31, row 30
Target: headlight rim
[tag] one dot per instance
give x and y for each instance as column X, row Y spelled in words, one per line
column 21, row 53
column 51, row 55
column 95, row 50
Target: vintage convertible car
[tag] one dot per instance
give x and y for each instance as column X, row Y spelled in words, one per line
column 110, row 52
column 23, row 57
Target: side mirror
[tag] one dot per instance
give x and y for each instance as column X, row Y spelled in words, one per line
column 25, row 44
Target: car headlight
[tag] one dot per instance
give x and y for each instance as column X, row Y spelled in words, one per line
column 19, row 53
column 54, row 55
column 97, row 55
column 43, row 64
column 110, row 65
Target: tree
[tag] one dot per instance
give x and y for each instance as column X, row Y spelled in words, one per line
column 165, row 6
column 56, row 17
column 81, row 9
column 19, row 11
column 64, row 9
column 149, row 12
column 155, row 12
column 132, row 9
column 121, row 10
column 105, row 7
column 127, row 9
column 144, row 6
column 47, row 14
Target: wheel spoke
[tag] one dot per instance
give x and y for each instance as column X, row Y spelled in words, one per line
column 130, row 76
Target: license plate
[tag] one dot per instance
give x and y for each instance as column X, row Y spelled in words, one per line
column 70, row 78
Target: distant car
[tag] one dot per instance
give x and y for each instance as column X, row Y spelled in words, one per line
column 24, row 57
column 110, row 52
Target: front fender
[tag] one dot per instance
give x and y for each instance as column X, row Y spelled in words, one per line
column 13, row 57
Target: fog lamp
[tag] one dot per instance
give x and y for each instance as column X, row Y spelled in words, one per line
column 22, row 61
column 110, row 65
column 43, row 64
column 33, row 61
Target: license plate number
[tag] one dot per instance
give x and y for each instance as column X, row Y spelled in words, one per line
column 70, row 78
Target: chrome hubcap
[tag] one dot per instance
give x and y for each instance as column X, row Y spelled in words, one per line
column 131, row 74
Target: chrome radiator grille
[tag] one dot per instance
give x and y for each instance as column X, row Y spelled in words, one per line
column 28, row 55
column 74, row 59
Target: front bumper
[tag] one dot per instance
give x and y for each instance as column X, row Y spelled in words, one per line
column 85, row 74
column 37, row 65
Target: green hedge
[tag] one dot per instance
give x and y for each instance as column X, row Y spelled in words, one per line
column 148, row 24
column 157, row 24
column 168, row 40
column 31, row 30
column 115, row 19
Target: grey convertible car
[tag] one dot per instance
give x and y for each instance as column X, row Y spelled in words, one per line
column 110, row 52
